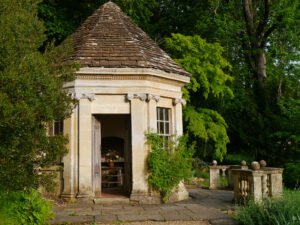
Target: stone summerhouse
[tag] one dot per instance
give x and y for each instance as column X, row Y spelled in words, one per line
column 126, row 86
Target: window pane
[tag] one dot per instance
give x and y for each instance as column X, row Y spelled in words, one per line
column 61, row 126
column 161, row 114
column 167, row 115
column 158, row 130
column 167, row 128
column 56, row 127
column 157, row 114
column 161, row 128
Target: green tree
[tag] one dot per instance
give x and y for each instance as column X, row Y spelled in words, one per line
column 31, row 97
column 63, row 17
column 209, row 82
column 261, row 41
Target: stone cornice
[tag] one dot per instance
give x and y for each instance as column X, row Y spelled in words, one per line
column 127, row 73
column 130, row 77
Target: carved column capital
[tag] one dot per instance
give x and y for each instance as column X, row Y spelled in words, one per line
column 179, row 100
column 141, row 96
column 78, row 96
column 155, row 97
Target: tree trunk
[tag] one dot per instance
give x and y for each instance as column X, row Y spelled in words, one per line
column 261, row 66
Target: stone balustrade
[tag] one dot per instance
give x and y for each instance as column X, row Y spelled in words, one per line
column 256, row 183
column 214, row 175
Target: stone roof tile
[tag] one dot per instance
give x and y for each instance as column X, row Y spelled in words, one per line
column 109, row 39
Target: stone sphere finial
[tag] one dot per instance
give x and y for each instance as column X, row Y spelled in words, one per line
column 263, row 163
column 244, row 163
column 255, row 165
column 214, row 162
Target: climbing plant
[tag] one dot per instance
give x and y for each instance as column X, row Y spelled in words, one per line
column 169, row 162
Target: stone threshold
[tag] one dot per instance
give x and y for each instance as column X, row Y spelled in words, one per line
column 121, row 200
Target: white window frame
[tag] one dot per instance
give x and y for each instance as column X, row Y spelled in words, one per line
column 165, row 121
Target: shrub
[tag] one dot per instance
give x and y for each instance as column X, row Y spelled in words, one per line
column 236, row 159
column 200, row 173
column 291, row 174
column 31, row 97
column 168, row 166
column 282, row 211
column 24, row 207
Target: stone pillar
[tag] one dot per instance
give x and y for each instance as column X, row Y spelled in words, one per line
column 236, row 187
column 139, row 126
column 70, row 160
column 214, row 177
column 178, row 115
column 85, row 149
column 256, row 186
column 276, row 184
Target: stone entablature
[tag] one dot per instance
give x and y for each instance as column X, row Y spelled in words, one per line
column 128, row 73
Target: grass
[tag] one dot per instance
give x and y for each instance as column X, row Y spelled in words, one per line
column 73, row 214
column 221, row 181
column 205, row 175
column 204, row 183
column 280, row 211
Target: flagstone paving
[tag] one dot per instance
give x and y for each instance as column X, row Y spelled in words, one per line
column 204, row 207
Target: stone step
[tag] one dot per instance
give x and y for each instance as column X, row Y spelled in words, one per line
column 111, row 201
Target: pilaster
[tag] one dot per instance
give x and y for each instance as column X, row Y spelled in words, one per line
column 178, row 115
column 139, row 123
column 85, row 149
column 70, row 159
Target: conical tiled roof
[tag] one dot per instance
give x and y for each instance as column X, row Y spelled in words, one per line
column 109, row 39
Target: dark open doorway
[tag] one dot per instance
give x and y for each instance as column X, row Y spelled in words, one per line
column 115, row 151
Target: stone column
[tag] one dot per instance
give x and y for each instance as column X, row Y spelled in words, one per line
column 70, row 160
column 139, row 126
column 85, row 149
column 178, row 115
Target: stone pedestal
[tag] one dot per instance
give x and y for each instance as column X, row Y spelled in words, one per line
column 214, row 177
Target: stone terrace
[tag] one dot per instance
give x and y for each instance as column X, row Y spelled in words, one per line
column 205, row 207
